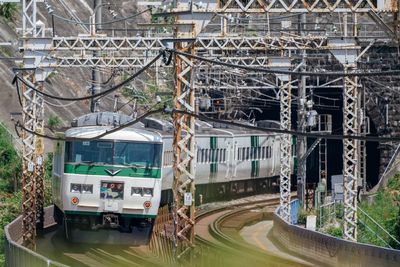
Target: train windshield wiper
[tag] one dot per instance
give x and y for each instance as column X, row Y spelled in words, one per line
column 84, row 162
column 134, row 165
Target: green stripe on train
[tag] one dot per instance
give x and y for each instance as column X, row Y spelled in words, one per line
column 101, row 170
column 255, row 164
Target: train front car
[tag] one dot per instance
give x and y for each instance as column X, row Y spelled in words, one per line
column 109, row 183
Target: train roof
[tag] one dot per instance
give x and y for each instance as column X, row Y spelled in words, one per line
column 128, row 134
column 93, row 124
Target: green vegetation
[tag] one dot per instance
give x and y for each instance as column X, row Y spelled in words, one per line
column 302, row 217
column 335, row 231
column 54, row 122
column 386, row 211
column 10, row 198
column 8, row 10
column 10, row 188
column 10, row 163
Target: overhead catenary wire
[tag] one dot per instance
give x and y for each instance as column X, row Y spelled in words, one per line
column 99, row 24
column 110, row 90
column 271, row 71
column 205, row 118
column 106, row 132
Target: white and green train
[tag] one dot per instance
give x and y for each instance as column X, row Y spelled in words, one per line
column 120, row 180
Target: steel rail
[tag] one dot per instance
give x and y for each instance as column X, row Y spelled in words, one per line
column 231, row 246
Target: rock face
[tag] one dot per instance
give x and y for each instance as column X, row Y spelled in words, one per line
column 66, row 82
column 63, row 82
column 382, row 102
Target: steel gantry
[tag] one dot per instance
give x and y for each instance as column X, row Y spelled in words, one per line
column 351, row 152
column 285, row 91
column 33, row 120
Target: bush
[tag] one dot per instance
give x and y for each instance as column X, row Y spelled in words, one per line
column 302, row 217
column 385, row 211
column 54, row 122
column 335, row 231
column 10, row 163
column 8, row 10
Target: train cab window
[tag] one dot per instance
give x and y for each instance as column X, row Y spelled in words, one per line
column 138, row 155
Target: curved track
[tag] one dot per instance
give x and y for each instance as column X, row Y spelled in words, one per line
column 220, row 231
column 218, row 242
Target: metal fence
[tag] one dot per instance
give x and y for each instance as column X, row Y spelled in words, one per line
column 20, row 256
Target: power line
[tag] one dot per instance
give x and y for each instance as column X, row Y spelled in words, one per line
column 103, row 23
column 115, row 87
column 204, row 118
column 106, row 132
column 300, row 73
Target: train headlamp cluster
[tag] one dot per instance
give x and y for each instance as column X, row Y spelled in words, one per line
column 142, row 191
column 81, row 188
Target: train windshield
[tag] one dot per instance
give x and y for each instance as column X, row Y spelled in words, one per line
column 138, row 155
column 132, row 154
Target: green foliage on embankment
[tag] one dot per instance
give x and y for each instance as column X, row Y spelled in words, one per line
column 10, row 184
column 386, row 211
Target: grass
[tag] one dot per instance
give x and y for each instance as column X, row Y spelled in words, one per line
column 386, row 211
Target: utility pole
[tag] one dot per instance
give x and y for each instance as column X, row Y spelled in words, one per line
column 96, row 75
column 301, row 123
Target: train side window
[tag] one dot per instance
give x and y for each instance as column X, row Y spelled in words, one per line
column 270, row 151
column 243, row 154
column 247, row 153
column 259, row 152
column 223, row 154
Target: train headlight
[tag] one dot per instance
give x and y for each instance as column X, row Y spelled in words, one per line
column 76, row 188
column 74, row 201
column 136, row 191
column 147, row 192
column 147, row 204
column 87, row 189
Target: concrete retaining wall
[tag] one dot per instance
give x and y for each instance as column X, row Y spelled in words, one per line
column 19, row 256
column 330, row 250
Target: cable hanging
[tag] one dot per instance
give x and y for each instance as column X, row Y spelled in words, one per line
column 300, row 73
column 99, row 24
column 110, row 90
column 204, row 118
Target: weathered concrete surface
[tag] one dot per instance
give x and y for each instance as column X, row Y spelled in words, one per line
column 330, row 250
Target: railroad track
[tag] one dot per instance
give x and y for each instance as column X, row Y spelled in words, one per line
column 100, row 257
column 224, row 230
